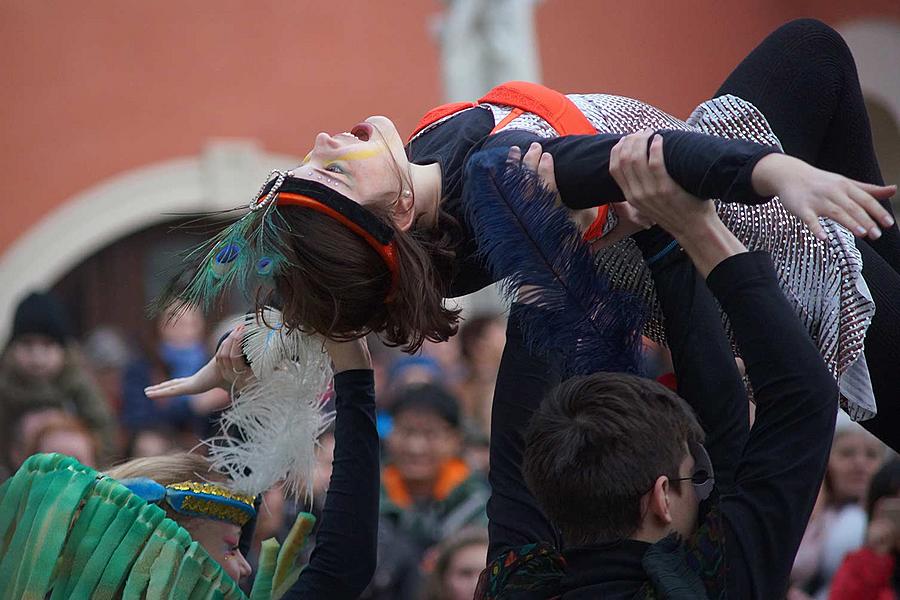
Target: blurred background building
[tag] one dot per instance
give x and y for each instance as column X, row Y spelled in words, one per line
column 116, row 116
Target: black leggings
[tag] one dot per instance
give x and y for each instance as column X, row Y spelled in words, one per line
column 803, row 79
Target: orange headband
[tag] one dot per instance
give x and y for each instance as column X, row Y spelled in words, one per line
column 387, row 251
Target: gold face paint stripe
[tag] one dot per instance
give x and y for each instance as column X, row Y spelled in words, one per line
column 360, row 154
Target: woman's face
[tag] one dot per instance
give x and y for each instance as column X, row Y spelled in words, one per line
column 855, row 456
column 367, row 164
column 220, row 540
column 461, row 577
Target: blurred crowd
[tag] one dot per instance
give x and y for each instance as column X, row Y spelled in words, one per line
column 84, row 397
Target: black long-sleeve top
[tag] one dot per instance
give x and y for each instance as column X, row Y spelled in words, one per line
column 343, row 560
column 704, row 165
column 768, row 480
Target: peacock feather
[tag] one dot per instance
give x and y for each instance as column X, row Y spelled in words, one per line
column 244, row 255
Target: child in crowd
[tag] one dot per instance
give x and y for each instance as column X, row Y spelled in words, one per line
column 458, row 561
column 428, row 491
column 67, row 435
column 41, row 369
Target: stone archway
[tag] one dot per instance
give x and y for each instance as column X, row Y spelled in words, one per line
column 876, row 47
column 223, row 176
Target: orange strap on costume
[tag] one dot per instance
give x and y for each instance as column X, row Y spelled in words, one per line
column 552, row 106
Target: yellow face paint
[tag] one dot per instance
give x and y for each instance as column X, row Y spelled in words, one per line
column 306, row 159
column 360, row 154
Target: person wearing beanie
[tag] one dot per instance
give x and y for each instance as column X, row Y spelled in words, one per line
column 427, row 490
column 40, row 369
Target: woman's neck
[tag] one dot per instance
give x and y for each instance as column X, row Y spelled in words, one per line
column 426, row 184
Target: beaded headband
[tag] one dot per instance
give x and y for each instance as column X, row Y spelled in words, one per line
column 283, row 189
column 196, row 499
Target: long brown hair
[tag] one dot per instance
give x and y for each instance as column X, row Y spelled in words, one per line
column 336, row 285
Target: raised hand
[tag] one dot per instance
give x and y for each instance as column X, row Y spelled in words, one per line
column 629, row 219
column 228, row 367
column 648, row 187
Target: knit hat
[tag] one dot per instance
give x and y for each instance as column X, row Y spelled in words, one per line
column 428, row 398
column 43, row 314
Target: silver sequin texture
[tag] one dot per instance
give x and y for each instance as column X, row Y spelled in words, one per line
column 822, row 280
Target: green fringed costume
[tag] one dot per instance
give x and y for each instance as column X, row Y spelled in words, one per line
column 69, row 532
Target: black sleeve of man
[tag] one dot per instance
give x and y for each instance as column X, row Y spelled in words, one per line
column 701, row 354
column 786, row 453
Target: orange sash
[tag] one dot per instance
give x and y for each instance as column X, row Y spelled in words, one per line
column 552, row 106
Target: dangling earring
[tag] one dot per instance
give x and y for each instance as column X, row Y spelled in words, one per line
column 407, row 193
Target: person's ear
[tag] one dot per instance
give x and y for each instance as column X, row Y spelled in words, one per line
column 658, row 500
column 404, row 213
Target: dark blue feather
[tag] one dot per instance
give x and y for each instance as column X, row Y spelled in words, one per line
column 574, row 314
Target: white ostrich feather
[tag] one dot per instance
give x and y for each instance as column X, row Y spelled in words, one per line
column 267, row 343
column 271, row 431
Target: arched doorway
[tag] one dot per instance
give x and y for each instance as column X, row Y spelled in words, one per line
column 98, row 245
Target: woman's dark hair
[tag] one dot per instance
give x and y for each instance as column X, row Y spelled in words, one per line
column 885, row 483
column 336, row 285
column 597, row 444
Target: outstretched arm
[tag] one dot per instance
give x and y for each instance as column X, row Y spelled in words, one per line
column 711, row 167
column 343, row 561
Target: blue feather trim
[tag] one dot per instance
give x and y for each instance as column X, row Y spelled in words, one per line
column 572, row 311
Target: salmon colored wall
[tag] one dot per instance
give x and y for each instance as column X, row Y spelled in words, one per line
column 94, row 88
column 671, row 54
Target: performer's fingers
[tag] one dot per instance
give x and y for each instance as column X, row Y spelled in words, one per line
column 615, row 166
column 858, row 204
column 647, row 177
column 546, row 172
column 882, row 192
column 636, row 168
column 631, row 154
column 532, row 157
column 224, row 354
column 514, row 156
column 238, row 362
column 862, row 194
column 812, row 222
column 173, row 387
column 657, row 162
